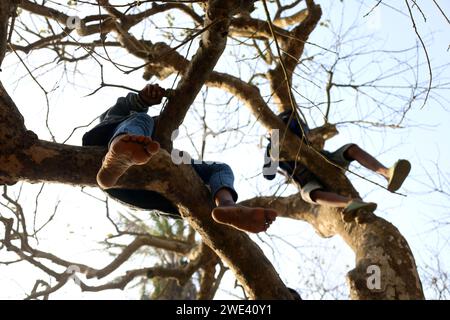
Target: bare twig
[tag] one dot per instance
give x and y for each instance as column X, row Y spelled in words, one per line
column 430, row 71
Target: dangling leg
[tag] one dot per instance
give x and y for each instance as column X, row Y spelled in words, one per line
column 219, row 177
column 395, row 175
column 240, row 217
column 313, row 193
column 354, row 152
column 330, row 199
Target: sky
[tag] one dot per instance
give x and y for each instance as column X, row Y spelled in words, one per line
column 303, row 260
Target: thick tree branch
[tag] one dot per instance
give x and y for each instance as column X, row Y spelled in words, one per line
column 295, row 18
column 5, row 12
column 245, row 26
column 212, row 44
column 41, row 161
column 107, row 22
column 375, row 241
column 12, row 125
column 281, row 77
column 83, row 29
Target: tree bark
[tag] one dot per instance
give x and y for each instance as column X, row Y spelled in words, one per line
column 25, row 157
column 5, row 12
column 375, row 241
column 376, row 244
column 212, row 45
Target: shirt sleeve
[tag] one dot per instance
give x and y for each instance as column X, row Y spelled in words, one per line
column 125, row 105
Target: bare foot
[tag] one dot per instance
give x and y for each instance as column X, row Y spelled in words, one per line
column 245, row 218
column 125, row 151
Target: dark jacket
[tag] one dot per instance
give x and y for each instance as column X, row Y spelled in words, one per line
column 111, row 118
column 101, row 134
column 294, row 169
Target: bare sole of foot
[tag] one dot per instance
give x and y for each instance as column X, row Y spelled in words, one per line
column 125, row 151
column 245, row 218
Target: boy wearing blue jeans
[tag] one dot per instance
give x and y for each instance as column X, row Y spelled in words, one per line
column 127, row 130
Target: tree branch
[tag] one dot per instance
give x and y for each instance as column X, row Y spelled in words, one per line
column 158, row 242
column 41, row 161
column 364, row 237
column 281, row 76
column 5, row 12
column 212, row 44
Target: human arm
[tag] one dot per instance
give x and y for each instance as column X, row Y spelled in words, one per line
column 150, row 95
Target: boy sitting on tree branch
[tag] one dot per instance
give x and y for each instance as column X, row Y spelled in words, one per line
column 127, row 130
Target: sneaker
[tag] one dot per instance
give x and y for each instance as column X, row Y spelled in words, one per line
column 398, row 173
column 356, row 206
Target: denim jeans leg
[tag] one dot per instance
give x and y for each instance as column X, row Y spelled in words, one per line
column 137, row 124
column 217, row 175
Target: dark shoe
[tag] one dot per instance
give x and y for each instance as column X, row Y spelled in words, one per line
column 350, row 211
column 398, row 173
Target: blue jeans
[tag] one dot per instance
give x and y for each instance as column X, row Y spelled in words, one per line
column 138, row 123
column 214, row 174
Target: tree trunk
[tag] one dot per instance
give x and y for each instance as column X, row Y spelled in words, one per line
column 385, row 266
column 376, row 242
column 24, row 157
